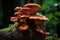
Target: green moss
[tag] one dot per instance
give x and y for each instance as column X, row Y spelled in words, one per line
column 11, row 26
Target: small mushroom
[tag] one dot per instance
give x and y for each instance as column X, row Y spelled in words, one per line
column 41, row 31
column 14, row 19
column 17, row 8
column 33, row 6
column 18, row 13
column 23, row 27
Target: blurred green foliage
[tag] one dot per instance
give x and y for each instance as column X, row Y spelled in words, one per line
column 22, row 2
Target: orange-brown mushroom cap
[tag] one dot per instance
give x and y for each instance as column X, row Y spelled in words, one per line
column 17, row 8
column 26, row 10
column 23, row 27
column 34, row 6
column 39, row 18
column 42, row 18
column 18, row 13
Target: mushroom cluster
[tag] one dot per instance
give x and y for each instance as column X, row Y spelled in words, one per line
column 28, row 11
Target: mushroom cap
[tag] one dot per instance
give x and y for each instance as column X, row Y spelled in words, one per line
column 33, row 6
column 17, row 13
column 14, row 19
column 25, row 16
column 26, row 10
column 42, row 18
column 17, row 8
column 39, row 18
column 23, row 27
